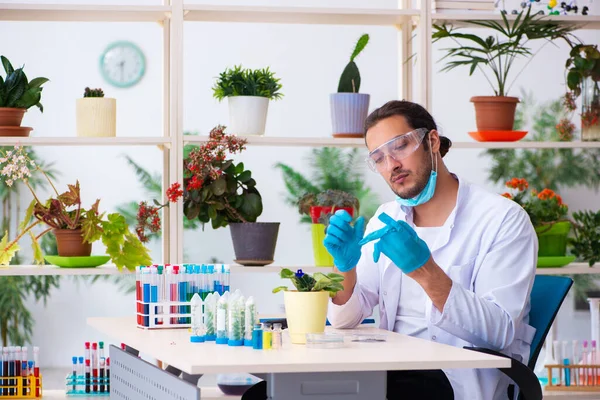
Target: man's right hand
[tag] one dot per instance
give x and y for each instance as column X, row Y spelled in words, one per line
column 341, row 240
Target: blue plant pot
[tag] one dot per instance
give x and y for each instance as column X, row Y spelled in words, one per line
column 348, row 113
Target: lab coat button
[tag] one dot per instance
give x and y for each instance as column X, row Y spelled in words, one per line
column 385, row 293
column 433, row 338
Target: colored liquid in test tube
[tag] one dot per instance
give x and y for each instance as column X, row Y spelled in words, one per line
column 161, row 292
column 5, row 370
column 153, row 291
column 226, row 276
column 173, row 291
column 138, row 293
column 182, row 292
column 204, row 290
column 145, row 296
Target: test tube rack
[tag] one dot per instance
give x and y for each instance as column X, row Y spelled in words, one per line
column 80, row 382
column 21, row 387
column 163, row 315
column 582, row 378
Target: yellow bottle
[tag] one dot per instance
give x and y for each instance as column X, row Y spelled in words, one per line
column 267, row 336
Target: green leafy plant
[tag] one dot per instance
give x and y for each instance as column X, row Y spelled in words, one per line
column 238, row 81
column 216, row 189
column 583, row 64
column 17, row 91
column 93, row 92
column 335, row 199
column 64, row 211
column 495, row 55
column 332, row 169
column 318, row 282
column 586, row 242
column 350, row 78
column 543, row 208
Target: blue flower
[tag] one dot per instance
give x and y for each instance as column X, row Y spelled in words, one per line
column 299, row 274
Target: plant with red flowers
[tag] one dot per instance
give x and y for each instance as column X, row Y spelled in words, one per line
column 544, row 208
column 215, row 189
column 65, row 212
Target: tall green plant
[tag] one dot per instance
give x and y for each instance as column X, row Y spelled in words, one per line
column 554, row 169
column 17, row 91
column 350, row 78
column 495, row 55
column 334, row 169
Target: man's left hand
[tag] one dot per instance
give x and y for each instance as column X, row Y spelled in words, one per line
column 400, row 243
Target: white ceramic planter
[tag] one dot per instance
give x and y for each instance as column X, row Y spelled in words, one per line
column 247, row 115
column 97, row 116
column 348, row 113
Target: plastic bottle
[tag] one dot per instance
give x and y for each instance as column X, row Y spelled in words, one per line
column 198, row 331
column 222, row 318
column 257, row 337
column 267, row 336
column 236, row 321
column 249, row 320
column 210, row 316
column 276, row 336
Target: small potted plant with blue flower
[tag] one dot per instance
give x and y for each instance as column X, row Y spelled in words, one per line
column 306, row 307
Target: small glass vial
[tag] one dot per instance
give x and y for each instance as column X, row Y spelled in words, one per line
column 267, row 336
column 257, row 337
column 276, row 336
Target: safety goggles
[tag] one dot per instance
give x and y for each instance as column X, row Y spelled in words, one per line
column 397, row 148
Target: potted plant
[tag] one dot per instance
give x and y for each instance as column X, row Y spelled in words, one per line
column 548, row 215
column 75, row 227
column 248, row 93
column 583, row 74
column 497, row 113
column 349, row 108
column 585, row 244
column 306, row 307
column 219, row 191
column 96, row 114
column 320, row 207
column 17, row 95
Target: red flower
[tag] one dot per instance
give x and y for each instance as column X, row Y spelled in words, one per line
column 174, row 192
column 546, row 194
column 194, row 183
column 507, row 195
column 517, row 183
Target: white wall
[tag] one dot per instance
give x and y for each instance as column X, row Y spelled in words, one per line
column 308, row 60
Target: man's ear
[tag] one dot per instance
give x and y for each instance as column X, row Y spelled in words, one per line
column 434, row 141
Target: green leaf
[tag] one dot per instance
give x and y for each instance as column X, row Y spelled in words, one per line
column 8, row 68
column 573, row 79
column 124, row 248
column 252, row 206
column 360, row 45
column 28, row 215
column 191, row 209
column 335, row 277
column 245, row 176
column 7, row 252
column 212, row 212
column 37, row 82
column 239, row 168
column 29, row 98
column 219, row 186
column 280, row 288
column 286, row 273
column 38, row 256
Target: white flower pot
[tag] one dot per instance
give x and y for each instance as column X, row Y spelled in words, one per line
column 348, row 113
column 247, row 115
column 96, row 116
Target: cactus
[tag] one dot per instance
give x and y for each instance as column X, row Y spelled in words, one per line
column 350, row 79
column 93, row 92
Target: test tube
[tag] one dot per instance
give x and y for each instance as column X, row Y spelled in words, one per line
column 5, row 370
column 87, row 366
column 267, row 336
column 566, row 361
column 161, row 292
column 108, row 374
column 226, row 277
column 594, row 374
column 36, row 370
column 17, row 365
column 575, row 371
column 102, row 365
column 182, row 292
column 95, row 367
column 24, row 373
column 74, row 373
column 276, row 336
column 32, row 380
column 138, row 294
column 559, row 357
column 80, row 376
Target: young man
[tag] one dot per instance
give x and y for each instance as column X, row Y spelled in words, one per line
column 446, row 261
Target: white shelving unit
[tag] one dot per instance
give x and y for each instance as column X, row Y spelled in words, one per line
column 174, row 14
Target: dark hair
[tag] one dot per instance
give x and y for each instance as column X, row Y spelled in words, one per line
column 416, row 116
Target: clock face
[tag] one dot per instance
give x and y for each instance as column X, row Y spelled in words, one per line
column 122, row 64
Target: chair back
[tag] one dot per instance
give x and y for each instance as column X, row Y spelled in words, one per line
column 547, row 295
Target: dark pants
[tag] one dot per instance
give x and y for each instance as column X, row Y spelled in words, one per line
column 422, row 385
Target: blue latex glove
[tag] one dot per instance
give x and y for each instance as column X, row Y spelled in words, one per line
column 341, row 240
column 400, row 243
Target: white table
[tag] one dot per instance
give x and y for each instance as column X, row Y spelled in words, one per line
column 294, row 362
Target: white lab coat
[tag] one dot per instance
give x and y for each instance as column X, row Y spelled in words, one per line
column 488, row 247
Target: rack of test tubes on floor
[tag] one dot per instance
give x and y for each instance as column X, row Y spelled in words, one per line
column 163, row 292
column 91, row 373
column 579, row 371
column 20, row 377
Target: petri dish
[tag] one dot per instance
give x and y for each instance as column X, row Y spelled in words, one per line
column 324, row 340
column 369, row 337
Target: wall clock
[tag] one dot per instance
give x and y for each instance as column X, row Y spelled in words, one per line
column 122, row 64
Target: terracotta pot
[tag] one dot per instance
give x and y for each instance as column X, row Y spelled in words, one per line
column 70, row 243
column 11, row 116
column 495, row 113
